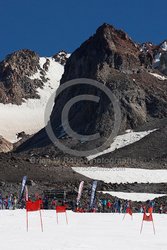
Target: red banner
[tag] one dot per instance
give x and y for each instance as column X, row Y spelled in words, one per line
column 60, row 209
column 147, row 217
column 33, row 205
column 129, row 211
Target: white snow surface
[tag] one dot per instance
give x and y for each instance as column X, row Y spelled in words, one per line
column 29, row 117
column 157, row 59
column 134, row 196
column 123, row 140
column 85, row 231
column 158, row 55
column 124, row 175
column 164, row 46
column 160, row 77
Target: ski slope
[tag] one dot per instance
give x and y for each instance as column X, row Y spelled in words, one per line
column 87, row 231
column 29, row 117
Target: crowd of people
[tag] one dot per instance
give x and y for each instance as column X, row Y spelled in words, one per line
column 100, row 205
column 8, row 202
column 119, row 206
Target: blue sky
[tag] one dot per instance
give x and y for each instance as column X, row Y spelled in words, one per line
column 47, row 26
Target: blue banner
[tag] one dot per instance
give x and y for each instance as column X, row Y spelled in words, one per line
column 23, row 186
column 93, row 193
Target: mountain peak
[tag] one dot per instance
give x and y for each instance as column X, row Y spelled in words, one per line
column 110, row 30
column 116, row 38
column 107, row 48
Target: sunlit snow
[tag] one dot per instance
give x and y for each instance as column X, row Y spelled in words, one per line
column 85, row 231
column 160, row 77
column 29, row 117
column 134, row 196
column 124, row 175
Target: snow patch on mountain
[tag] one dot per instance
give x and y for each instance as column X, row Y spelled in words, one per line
column 123, row 175
column 160, row 77
column 134, row 196
column 123, row 141
column 164, row 45
column 157, row 60
column 29, row 116
column 157, row 57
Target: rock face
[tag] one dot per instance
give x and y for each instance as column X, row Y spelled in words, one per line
column 154, row 56
column 162, row 55
column 108, row 48
column 163, row 63
column 5, row 146
column 61, row 57
column 16, row 71
column 14, row 81
column 113, row 59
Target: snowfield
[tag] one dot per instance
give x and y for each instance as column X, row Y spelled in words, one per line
column 134, row 196
column 87, row 231
column 123, row 175
column 29, row 117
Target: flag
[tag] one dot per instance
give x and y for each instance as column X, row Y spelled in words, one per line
column 23, row 186
column 150, row 210
column 129, row 211
column 147, row 217
column 60, row 209
column 93, row 193
column 32, row 206
column 80, row 191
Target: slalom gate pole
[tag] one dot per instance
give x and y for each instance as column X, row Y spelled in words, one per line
column 124, row 216
column 41, row 220
column 141, row 227
column 153, row 227
column 27, row 220
column 66, row 218
column 57, row 218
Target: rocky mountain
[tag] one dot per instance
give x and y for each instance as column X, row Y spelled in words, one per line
column 16, row 71
column 128, row 69
column 26, row 83
column 15, row 83
column 163, row 58
column 154, row 55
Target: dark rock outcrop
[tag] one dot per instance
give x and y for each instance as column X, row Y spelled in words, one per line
column 15, row 73
column 163, row 63
column 61, row 57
